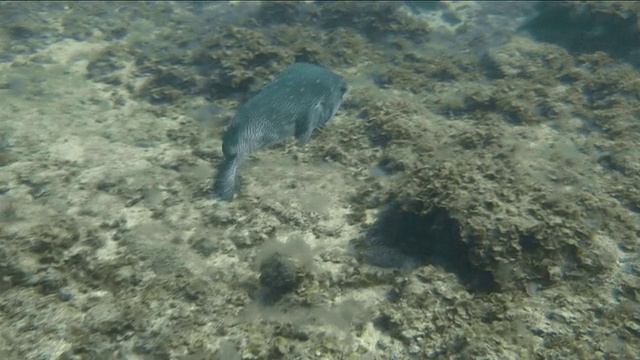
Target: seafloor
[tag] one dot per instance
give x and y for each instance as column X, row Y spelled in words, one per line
column 487, row 154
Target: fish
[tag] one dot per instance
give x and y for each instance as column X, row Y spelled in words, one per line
column 302, row 98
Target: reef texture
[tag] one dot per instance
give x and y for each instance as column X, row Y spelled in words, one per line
column 476, row 197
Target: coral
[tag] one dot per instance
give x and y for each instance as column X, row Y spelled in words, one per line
column 278, row 276
column 510, row 165
column 584, row 27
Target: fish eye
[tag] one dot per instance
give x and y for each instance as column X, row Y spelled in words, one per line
column 343, row 89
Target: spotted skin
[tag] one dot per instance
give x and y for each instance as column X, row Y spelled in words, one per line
column 299, row 100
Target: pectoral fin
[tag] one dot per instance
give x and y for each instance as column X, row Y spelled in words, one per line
column 306, row 124
column 226, row 182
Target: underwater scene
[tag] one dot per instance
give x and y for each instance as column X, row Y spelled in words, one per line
column 319, row 180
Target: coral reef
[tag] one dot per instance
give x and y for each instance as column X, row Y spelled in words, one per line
column 493, row 175
column 585, row 27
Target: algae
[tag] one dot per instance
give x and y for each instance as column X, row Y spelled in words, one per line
column 526, row 149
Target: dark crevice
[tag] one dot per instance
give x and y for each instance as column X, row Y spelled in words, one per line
column 406, row 236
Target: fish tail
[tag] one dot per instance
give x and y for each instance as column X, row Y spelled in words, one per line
column 226, row 181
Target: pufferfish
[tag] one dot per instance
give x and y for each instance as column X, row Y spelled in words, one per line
column 297, row 101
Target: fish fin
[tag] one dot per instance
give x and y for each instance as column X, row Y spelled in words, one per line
column 306, row 124
column 226, row 182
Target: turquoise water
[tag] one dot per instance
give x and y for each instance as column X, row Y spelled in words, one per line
column 475, row 196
